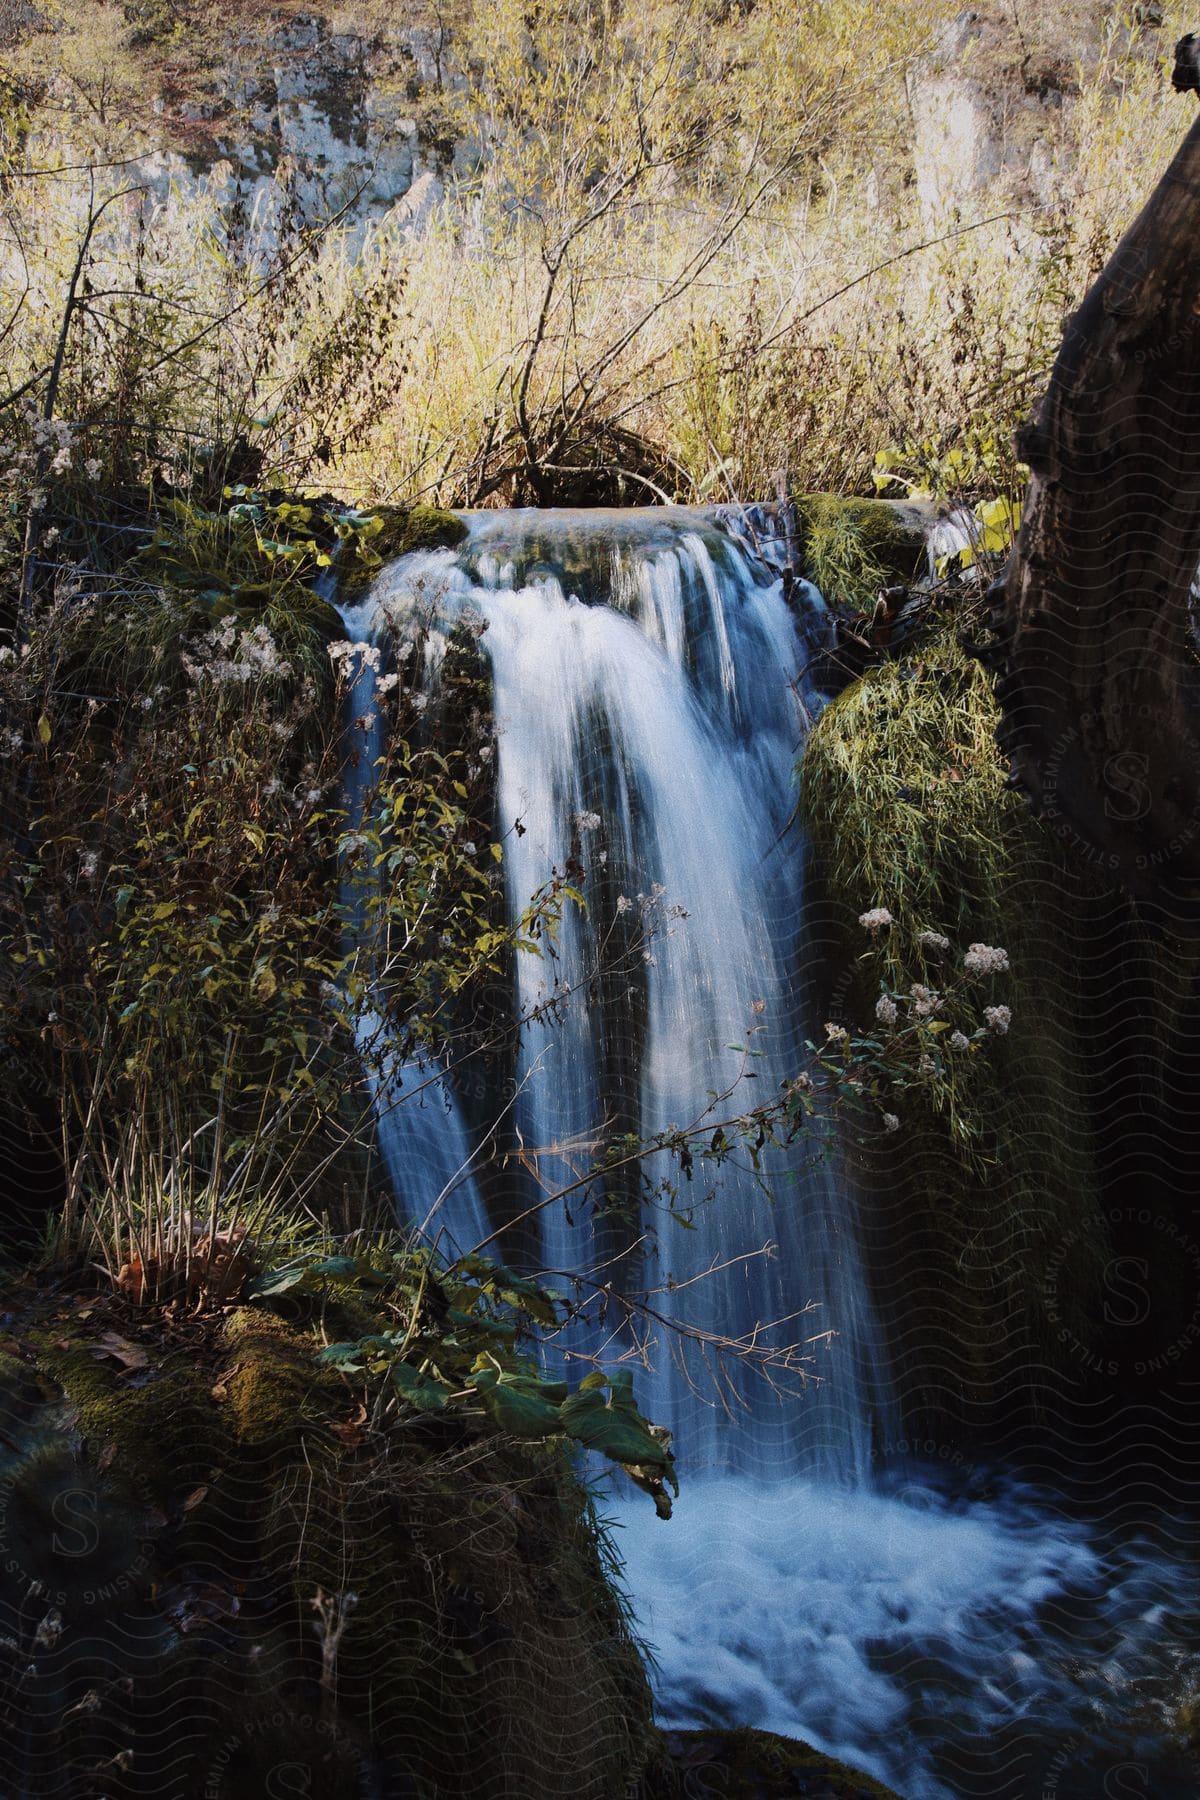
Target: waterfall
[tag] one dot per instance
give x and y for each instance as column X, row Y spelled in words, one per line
column 418, row 1129
column 651, row 699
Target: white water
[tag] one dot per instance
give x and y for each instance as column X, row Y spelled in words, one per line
column 418, row 1129
column 650, row 703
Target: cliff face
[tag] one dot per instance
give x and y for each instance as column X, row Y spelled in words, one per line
column 351, row 109
column 284, row 108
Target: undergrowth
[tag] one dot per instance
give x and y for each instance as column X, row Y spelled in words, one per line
column 993, row 1168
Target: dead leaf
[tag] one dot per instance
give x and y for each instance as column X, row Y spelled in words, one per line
column 105, row 1458
column 194, row 1498
column 351, row 1431
column 220, row 1388
column 130, row 1356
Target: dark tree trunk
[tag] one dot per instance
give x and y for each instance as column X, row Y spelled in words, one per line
column 1100, row 679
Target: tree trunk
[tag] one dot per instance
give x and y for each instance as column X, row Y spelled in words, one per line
column 1100, row 678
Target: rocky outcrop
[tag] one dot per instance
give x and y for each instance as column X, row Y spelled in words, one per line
column 989, row 105
column 297, row 115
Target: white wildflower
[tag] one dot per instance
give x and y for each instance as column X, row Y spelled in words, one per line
column 890, row 1122
column 91, row 468
column 886, row 1010
column 958, row 1041
column 799, row 1084
column 312, row 795
column 933, row 940
column 926, row 1066
column 280, row 728
column 999, row 1018
column 588, row 821
column 875, row 919
column 837, row 1034
column 269, row 914
column 7, row 653
column 50, row 538
column 485, row 755
column 925, row 1001
column 61, row 462
column 88, row 863
column 624, row 904
column 985, row 959
column 386, row 683
column 469, row 848
column 365, row 721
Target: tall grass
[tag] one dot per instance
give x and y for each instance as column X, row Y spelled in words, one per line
column 390, row 364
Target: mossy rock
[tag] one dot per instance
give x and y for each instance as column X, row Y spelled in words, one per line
column 277, row 1394
column 183, row 1513
column 852, row 547
column 742, row 1764
column 160, row 1421
column 406, row 529
column 386, row 532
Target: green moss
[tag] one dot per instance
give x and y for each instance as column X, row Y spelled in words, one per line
column 159, row 1422
column 853, row 547
column 386, row 532
column 276, row 1393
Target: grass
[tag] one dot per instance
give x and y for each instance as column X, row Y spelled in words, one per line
column 993, row 1171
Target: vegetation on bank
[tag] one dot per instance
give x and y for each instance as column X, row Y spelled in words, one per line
column 686, row 258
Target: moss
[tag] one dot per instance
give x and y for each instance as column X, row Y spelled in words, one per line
column 387, row 532
column 276, row 1392
column 853, row 547
column 159, row 1422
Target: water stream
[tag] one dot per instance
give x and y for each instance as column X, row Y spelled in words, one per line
column 652, row 696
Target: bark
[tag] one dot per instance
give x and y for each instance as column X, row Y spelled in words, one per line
column 1093, row 620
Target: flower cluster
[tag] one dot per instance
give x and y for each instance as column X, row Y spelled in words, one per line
column 985, row 959
column 876, row 919
column 342, row 652
column 227, row 654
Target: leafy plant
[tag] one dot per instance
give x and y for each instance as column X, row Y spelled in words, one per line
column 456, row 1347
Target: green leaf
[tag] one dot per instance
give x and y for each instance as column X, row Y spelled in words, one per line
column 613, row 1425
column 279, row 1281
column 420, row 1390
column 346, row 1357
column 523, row 1405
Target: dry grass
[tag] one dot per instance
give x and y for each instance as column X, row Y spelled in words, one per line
column 821, row 328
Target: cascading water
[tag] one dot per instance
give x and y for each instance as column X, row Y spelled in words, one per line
column 651, row 699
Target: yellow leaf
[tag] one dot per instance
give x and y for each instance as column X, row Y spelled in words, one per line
column 45, row 729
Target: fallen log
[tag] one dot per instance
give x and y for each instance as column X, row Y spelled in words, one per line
column 1093, row 622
